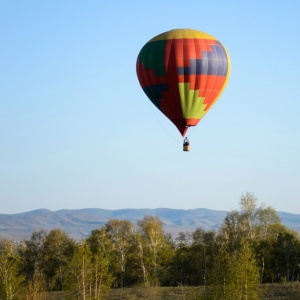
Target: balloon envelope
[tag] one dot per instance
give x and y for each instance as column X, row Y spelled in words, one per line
column 183, row 72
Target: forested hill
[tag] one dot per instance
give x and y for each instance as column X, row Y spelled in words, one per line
column 79, row 223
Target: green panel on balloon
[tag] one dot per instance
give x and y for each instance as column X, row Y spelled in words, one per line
column 153, row 56
column 192, row 105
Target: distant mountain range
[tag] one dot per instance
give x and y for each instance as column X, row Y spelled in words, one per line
column 79, row 223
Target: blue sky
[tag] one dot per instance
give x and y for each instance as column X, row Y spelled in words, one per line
column 77, row 131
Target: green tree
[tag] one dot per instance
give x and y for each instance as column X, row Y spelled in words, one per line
column 204, row 246
column 250, row 222
column 267, row 217
column 236, row 274
column 78, row 282
column 102, row 278
column 286, row 256
column 248, row 216
column 231, row 229
column 99, row 241
column 58, row 248
column 166, row 256
column 10, row 268
column 182, row 266
column 192, row 258
column 267, row 256
column 32, row 255
column 139, row 254
column 120, row 234
column 153, row 238
column 87, row 275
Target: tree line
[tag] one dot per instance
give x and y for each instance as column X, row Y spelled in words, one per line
column 251, row 247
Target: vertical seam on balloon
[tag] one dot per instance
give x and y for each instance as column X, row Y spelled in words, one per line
column 152, row 74
column 189, row 103
column 204, row 73
column 173, row 107
column 198, row 72
column 226, row 77
column 185, row 101
column 223, row 69
column 146, row 62
column 149, row 80
column 214, row 78
column 177, row 39
column 169, row 79
column 195, row 90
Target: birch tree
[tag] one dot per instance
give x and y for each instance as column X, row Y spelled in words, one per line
column 236, row 275
column 87, row 275
column 79, row 274
column 10, row 266
column 120, row 232
column 153, row 238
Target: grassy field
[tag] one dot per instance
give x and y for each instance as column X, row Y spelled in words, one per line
column 270, row 291
column 287, row 291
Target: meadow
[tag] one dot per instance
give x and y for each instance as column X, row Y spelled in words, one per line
column 283, row 291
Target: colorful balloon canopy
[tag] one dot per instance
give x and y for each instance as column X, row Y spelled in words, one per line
column 183, row 72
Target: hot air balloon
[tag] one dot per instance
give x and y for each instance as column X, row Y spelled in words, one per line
column 183, row 72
